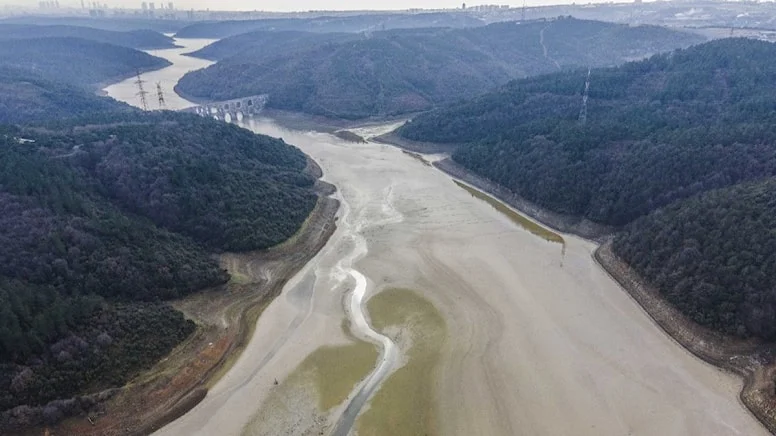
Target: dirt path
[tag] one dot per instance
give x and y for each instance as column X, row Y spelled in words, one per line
column 544, row 46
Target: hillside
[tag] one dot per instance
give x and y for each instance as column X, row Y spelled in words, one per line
column 116, row 24
column 105, row 219
column 701, row 118
column 259, row 45
column 713, row 257
column 137, row 39
column 76, row 61
column 27, row 97
column 658, row 133
column 329, row 24
column 401, row 71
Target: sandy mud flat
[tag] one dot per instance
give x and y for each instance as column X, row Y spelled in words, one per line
column 539, row 339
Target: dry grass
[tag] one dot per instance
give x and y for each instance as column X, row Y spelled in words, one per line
column 515, row 217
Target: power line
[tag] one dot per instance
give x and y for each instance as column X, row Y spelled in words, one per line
column 142, row 93
column 160, row 94
column 522, row 17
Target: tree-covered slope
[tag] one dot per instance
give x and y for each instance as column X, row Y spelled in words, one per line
column 137, row 39
column 657, row 131
column 28, row 97
column 713, row 256
column 679, row 150
column 400, row 71
column 327, row 24
column 105, row 218
column 76, row 61
column 261, row 45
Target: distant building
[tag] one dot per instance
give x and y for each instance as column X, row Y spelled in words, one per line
column 463, row 6
column 145, row 6
column 170, row 6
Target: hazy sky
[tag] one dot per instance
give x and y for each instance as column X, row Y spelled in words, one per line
column 296, row 5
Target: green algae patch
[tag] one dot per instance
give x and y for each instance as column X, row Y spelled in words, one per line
column 404, row 404
column 335, row 371
column 515, row 217
column 329, row 373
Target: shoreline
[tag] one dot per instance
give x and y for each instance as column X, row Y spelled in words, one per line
column 226, row 317
column 100, row 86
column 751, row 361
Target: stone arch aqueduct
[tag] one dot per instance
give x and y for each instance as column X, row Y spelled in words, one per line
column 245, row 106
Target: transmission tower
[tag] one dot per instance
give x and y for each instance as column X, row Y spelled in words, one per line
column 583, row 111
column 160, row 95
column 522, row 14
column 142, row 93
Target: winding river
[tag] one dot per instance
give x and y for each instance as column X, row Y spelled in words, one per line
column 539, row 341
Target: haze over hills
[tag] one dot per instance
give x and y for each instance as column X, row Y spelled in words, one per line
column 76, row 61
column 113, row 24
column 658, row 132
column 327, row 24
column 56, row 78
column 268, row 44
column 401, row 71
column 137, row 39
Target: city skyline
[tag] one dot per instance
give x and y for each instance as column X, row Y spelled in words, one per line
column 293, row 5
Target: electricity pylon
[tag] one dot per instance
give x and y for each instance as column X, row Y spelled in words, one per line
column 160, row 94
column 142, row 93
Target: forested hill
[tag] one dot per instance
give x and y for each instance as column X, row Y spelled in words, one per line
column 26, row 97
column 328, row 24
column 658, row 133
column 713, row 256
column 105, row 218
column 401, row 71
column 137, row 39
column 257, row 46
column 116, row 24
column 76, row 61
column 700, row 118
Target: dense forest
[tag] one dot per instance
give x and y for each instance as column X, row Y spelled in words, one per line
column 28, row 97
column 55, row 77
column 329, row 24
column 700, row 118
column 657, row 133
column 400, row 71
column 713, row 256
column 106, row 217
column 137, row 39
column 76, row 61
column 255, row 46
